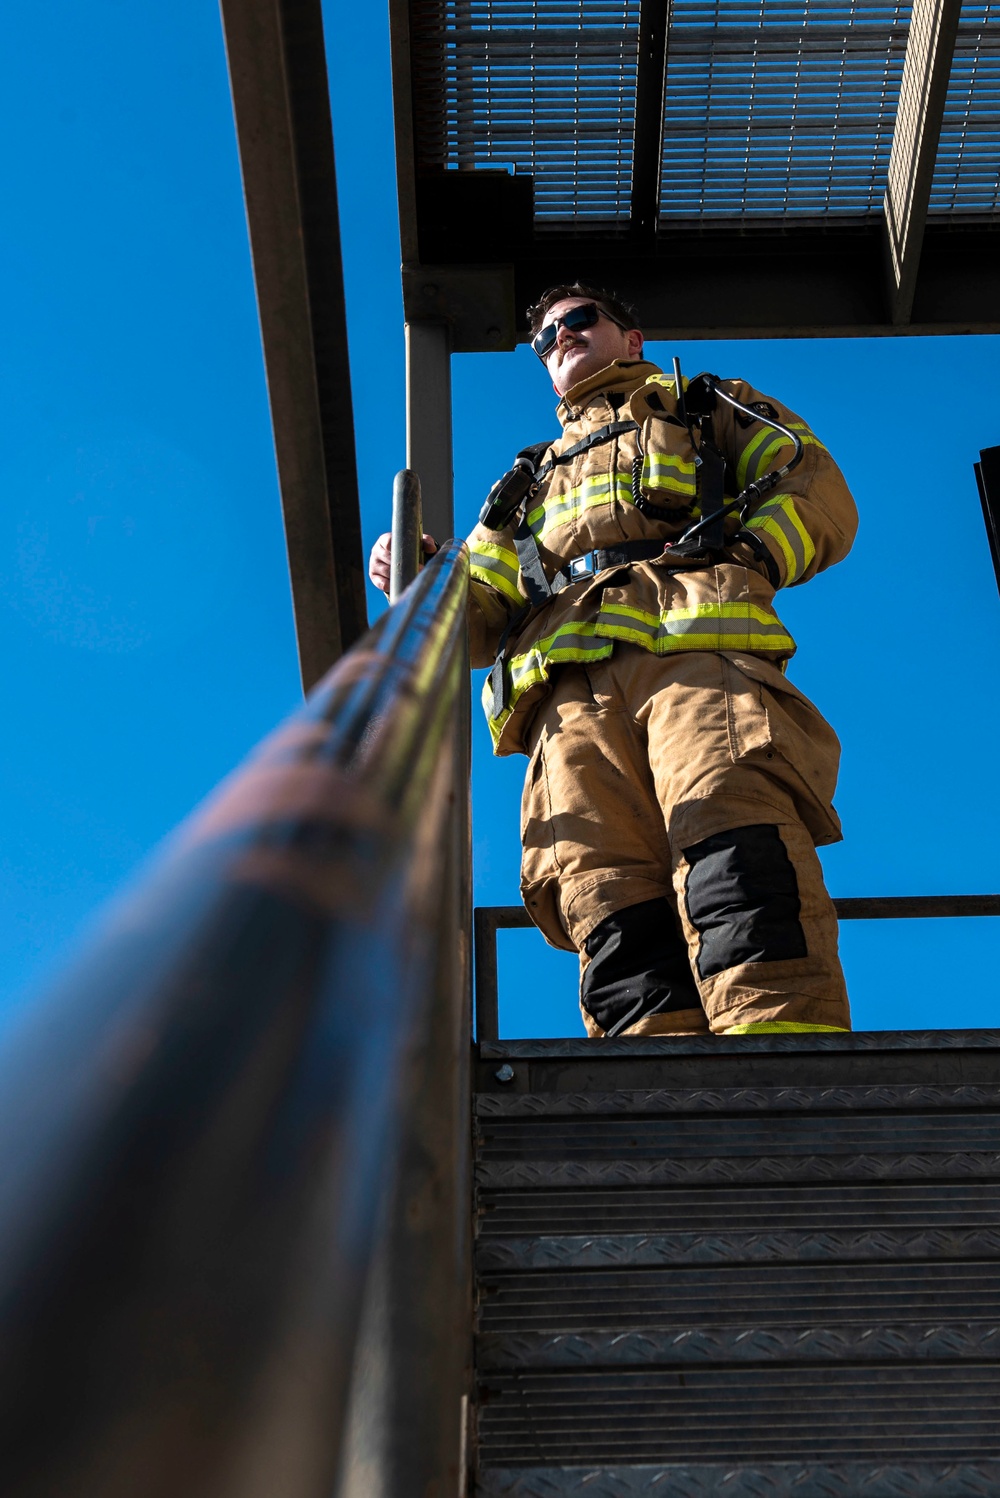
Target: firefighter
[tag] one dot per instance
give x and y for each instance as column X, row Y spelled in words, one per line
column 678, row 784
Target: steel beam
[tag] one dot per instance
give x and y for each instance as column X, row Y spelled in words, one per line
column 428, row 422
column 277, row 72
column 926, row 69
column 402, row 104
column 810, row 281
column 650, row 83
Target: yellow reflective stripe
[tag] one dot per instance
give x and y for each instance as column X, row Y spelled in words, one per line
column 784, row 1027
column 780, row 519
column 704, row 626
column 656, row 474
column 762, row 449
column 667, row 381
column 764, row 459
column 570, row 642
column 597, row 489
column 806, row 437
column 624, row 608
column 498, row 567
column 738, row 610
column 747, row 454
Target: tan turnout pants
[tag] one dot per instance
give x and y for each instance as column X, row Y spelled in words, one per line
column 635, row 762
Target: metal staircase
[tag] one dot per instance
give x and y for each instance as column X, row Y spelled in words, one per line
column 236, row 1194
column 763, row 1266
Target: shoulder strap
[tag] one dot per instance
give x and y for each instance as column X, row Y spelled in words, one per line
column 536, row 584
column 711, row 493
column 592, row 439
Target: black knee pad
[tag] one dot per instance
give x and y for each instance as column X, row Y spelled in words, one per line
column 638, row 965
column 742, row 897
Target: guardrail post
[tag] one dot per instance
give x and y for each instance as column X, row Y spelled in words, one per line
column 407, row 533
column 428, row 419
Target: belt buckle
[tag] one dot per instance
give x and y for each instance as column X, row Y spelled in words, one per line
column 583, row 566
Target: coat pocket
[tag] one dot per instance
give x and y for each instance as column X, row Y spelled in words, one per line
column 669, row 470
column 775, row 726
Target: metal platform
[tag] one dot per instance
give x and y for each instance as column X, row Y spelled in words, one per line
column 768, row 167
column 739, row 1266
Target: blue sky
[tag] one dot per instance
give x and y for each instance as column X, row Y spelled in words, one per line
column 147, row 638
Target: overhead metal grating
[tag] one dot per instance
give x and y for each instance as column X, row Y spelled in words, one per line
column 780, row 108
column 843, row 156
column 546, row 88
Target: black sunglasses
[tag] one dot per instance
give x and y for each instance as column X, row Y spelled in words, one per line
column 576, row 318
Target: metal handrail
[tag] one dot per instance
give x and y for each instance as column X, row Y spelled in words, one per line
column 489, row 919
column 249, row 1090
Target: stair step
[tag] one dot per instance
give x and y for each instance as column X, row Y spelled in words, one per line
column 903, row 1479
column 646, row 1250
column 733, row 1100
column 714, row 1209
column 764, row 1169
column 688, row 1295
column 615, row 1138
column 751, row 1413
column 814, row 1341
column 728, row 1268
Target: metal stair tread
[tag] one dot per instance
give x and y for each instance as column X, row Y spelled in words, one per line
column 752, row 1100
column 902, row 1479
column 780, row 1285
column 495, row 1255
column 630, row 1138
column 862, row 1165
column 662, row 1345
column 713, row 1209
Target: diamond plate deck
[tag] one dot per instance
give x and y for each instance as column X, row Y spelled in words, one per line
column 777, row 1480
column 783, row 1284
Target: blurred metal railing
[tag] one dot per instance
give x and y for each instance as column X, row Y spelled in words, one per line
column 249, row 1090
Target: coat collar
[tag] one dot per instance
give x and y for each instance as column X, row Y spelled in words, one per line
column 623, row 377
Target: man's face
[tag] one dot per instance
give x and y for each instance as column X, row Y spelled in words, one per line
column 575, row 356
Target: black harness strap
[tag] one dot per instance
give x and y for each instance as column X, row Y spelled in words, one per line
column 590, row 563
column 711, row 491
column 762, row 553
column 541, row 591
column 593, row 439
column 498, row 671
column 536, row 584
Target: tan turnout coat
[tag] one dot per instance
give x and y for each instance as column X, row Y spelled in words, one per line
column 807, row 523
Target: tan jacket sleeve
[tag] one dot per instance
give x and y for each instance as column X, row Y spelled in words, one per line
column 495, row 595
column 809, row 520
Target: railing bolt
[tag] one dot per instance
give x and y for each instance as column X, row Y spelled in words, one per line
column 504, row 1073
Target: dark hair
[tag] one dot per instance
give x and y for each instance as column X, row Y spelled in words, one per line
column 623, row 312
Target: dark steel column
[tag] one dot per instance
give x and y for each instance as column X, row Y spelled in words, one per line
column 651, row 77
column 988, row 479
column 277, row 70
